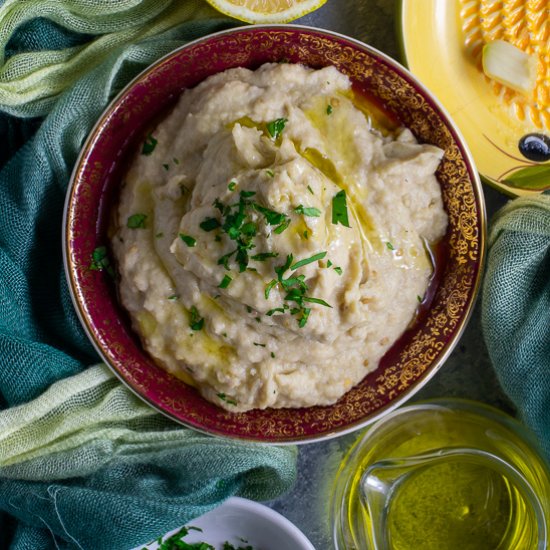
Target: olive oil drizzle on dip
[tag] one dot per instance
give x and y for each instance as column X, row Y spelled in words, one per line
column 270, row 239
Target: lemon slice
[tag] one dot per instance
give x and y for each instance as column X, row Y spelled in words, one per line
column 266, row 11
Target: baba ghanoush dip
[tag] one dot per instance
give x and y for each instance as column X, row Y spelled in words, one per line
column 271, row 243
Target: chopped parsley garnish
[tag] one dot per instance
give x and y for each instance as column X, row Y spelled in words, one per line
column 189, row 241
column 149, row 145
column 276, row 310
column 271, row 217
column 175, row 160
column 226, row 281
column 100, row 261
column 280, row 228
column 264, row 256
column 228, row 400
column 390, row 246
column 308, row 211
column 238, row 223
column 166, row 167
column 329, row 263
column 276, row 127
column 232, row 185
column 295, row 288
column 260, row 345
column 270, row 173
column 269, row 288
column 340, row 209
column 315, row 301
column 419, row 298
column 306, row 234
column 176, row 541
column 209, row 224
column 310, row 189
column 136, row 221
column 329, row 109
column 306, row 261
column 272, row 355
column 196, row 322
column 338, row 270
column 173, row 297
column 159, row 235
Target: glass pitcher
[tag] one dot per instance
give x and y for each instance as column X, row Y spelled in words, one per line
column 442, row 475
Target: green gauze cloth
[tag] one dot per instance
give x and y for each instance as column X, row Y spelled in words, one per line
column 83, row 463
column 516, row 308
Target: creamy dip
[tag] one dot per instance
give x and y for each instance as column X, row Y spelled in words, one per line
column 272, row 244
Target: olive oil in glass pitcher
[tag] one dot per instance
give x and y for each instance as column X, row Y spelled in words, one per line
column 442, row 475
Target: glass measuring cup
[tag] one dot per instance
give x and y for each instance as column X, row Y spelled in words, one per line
column 444, row 474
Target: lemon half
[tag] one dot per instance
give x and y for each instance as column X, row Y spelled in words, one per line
column 266, row 11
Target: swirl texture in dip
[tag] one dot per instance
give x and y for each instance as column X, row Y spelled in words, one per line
column 271, row 243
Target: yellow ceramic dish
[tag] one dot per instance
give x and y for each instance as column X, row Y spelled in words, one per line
column 508, row 134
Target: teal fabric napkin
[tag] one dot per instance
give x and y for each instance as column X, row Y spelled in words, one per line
column 516, row 308
column 83, row 463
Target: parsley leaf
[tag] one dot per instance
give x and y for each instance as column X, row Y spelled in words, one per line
column 309, row 260
column 340, row 209
column 149, row 145
column 308, row 211
column 176, row 541
column 228, row 400
column 315, row 301
column 196, row 322
column 136, row 221
column 295, row 288
column 264, row 256
column 276, row 127
column 305, row 315
column 226, row 281
column 100, row 261
column 271, row 217
column 280, row 228
column 269, row 287
column 209, row 224
column 189, row 241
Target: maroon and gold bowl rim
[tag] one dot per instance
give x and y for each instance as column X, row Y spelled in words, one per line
column 409, row 364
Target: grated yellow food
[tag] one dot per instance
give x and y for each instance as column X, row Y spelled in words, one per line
column 526, row 24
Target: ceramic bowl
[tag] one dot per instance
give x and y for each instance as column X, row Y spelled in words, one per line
column 243, row 522
column 417, row 355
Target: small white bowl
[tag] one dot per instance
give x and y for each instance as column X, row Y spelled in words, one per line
column 243, row 522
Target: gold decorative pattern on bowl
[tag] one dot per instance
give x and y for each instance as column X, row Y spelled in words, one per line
column 417, row 355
